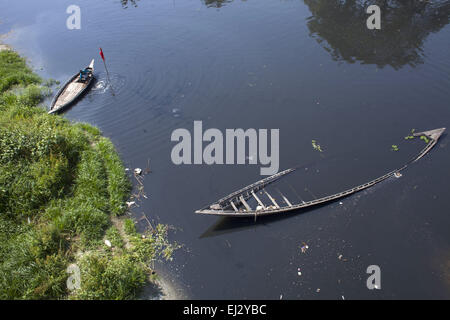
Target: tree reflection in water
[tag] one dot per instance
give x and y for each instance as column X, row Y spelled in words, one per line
column 340, row 27
column 126, row 2
column 216, row 3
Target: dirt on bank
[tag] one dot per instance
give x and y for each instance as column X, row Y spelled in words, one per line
column 4, row 47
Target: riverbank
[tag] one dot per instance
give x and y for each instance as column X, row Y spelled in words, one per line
column 63, row 198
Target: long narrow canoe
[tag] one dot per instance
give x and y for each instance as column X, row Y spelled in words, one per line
column 236, row 204
column 72, row 90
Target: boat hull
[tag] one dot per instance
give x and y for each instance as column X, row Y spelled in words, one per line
column 72, row 91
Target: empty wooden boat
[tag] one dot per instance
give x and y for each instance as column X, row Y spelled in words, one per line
column 239, row 203
column 73, row 89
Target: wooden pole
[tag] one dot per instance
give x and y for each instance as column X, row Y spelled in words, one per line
column 107, row 72
column 109, row 80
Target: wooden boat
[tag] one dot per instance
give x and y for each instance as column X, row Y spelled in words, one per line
column 237, row 204
column 72, row 90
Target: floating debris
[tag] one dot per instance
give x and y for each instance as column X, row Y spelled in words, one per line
column 397, row 175
column 138, row 171
column 341, row 257
column 130, row 203
column 318, row 290
column 304, row 247
column 299, row 272
column 316, row 146
column 147, row 170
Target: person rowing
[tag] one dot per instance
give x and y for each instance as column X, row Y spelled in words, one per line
column 84, row 74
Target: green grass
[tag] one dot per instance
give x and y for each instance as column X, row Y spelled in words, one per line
column 60, row 183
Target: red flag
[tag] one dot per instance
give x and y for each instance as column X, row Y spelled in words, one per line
column 101, row 54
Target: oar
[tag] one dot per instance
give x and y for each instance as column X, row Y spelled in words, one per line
column 107, row 73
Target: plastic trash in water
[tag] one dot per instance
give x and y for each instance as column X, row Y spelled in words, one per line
column 304, row 247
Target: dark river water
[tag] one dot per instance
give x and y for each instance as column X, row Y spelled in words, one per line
column 309, row 68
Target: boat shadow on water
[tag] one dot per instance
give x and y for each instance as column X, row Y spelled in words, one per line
column 225, row 225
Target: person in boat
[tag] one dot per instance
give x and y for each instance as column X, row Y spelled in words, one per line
column 84, row 74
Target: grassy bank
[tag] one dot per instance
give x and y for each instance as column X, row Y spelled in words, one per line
column 62, row 191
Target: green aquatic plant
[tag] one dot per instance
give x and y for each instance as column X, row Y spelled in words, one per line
column 411, row 135
column 394, row 147
column 424, row 138
column 51, row 82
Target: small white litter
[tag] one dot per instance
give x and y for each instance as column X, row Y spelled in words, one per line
column 130, row 203
column 304, row 247
column 138, row 171
column 108, row 243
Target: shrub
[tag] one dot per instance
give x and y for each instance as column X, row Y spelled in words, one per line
column 129, row 227
column 104, row 276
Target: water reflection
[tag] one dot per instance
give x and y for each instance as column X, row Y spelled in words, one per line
column 125, row 3
column 226, row 225
column 340, row 27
